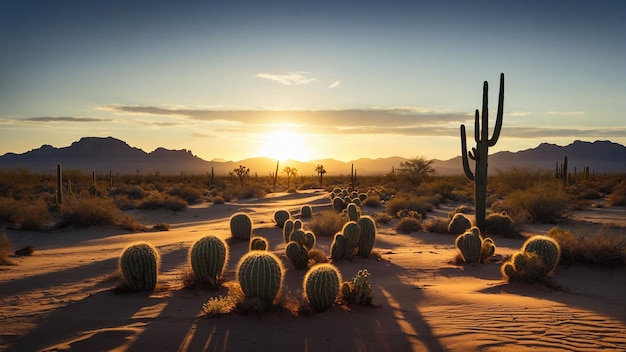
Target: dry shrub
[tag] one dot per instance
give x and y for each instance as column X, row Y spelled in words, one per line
column 252, row 191
column 130, row 223
column 618, row 195
column 326, row 223
column 188, row 193
column 409, row 224
column 175, row 203
column 436, row 225
column 503, row 225
column 544, row 202
column 25, row 215
column 88, row 211
column 372, row 201
column 382, row 218
column 408, row 202
column 603, row 248
column 124, row 202
column 6, row 247
column 217, row 199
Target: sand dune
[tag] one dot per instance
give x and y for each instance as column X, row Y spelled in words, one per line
column 61, row 299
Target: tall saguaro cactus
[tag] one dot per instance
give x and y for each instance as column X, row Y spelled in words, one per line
column 481, row 152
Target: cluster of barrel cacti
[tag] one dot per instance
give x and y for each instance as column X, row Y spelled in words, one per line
column 536, row 261
column 260, row 274
column 473, row 248
column 346, row 243
column 139, row 265
column 340, row 198
column 321, row 286
column 241, row 226
column 359, row 290
column 208, row 258
column 299, row 243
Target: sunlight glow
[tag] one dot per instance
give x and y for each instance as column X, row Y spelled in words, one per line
column 283, row 144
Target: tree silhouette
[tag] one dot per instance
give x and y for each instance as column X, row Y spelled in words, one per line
column 291, row 172
column 416, row 170
column 320, row 172
column 241, row 172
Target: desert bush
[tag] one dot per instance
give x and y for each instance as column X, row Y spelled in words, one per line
column 326, row 223
column 459, row 224
column 408, row 224
column 382, row 218
column 6, row 248
column 175, row 203
column 372, row 201
column 518, row 179
column 448, row 188
column 124, row 202
column 217, row 199
column 188, row 193
column 544, row 202
column 436, row 225
column 129, row 222
column 36, row 216
column 503, row 225
column 602, row 248
column 618, row 195
column 131, row 191
column 409, row 202
column 152, row 202
column 252, row 191
column 463, row 209
column 88, row 211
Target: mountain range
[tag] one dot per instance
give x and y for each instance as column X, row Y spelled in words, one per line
column 110, row 154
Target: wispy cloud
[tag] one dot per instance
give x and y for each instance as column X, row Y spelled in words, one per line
column 565, row 113
column 335, row 84
column 289, row 78
column 65, row 119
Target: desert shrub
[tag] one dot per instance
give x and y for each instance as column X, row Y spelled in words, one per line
column 463, row 209
column 88, row 211
column 518, row 179
column 188, row 193
column 408, row 202
column 131, row 191
column 36, row 216
column 436, row 225
column 217, row 199
column 252, row 191
column 6, row 247
column 129, row 222
column 154, row 201
column 408, row 224
column 382, row 218
column 502, row 224
column 459, row 224
column 124, row 202
column 544, row 202
column 175, row 203
column 372, row 201
column 602, row 248
column 326, row 223
column 618, row 195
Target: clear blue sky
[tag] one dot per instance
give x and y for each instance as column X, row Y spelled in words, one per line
column 309, row 80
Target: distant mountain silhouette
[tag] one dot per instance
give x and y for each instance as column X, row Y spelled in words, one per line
column 110, row 154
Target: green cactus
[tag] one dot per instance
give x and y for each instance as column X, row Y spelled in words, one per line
column 338, row 247
column 367, row 236
column 208, row 258
column 297, row 254
column 459, row 224
column 241, row 226
column 338, row 204
column 321, row 286
column 287, row 230
column 260, row 274
column 306, row 211
column 353, row 212
column 59, row 184
column 546, row 248
column 359, row 289
column 280, row 216
column 139, row 264
column 309, row 240
column 352, row 234
column 487, row 249
column 298, row 236
column 469, row 245
column 298, row 224
column 258, row 243
column 481, row 152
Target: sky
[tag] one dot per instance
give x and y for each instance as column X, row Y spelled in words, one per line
column 310, row 80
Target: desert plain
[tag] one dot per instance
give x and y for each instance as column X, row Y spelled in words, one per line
column 61, row 298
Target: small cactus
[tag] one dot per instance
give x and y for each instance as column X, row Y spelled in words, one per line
column 353, row 212
column 280, row 216
column 459, row 224
column 546, row 248
column 321, row 286
column 367, row 236
column 287, row 230
column 537, row 260
column 469, row 245
column 338, row 204
column 306, row 211
column 359, row 289
column 258, row 243
column 260, row 274
column 139, row 264
column 208, row 258
column 352, row 233
column 241, row 226
column 337, row 248
column 297, row 254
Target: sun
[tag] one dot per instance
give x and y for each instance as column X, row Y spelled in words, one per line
column 283, row 144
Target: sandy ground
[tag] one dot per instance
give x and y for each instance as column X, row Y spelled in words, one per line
column 60, row 298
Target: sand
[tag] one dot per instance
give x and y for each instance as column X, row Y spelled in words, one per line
column 61, row 299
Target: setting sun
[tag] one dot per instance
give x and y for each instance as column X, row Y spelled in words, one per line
column 284, row 144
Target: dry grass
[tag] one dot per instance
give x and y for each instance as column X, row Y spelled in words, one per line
column 409, row 224
column 436, row 225
column 326, row 223
column 544, row 202
column 604, row 248
column 88, row 211
column 6, row 248
column 409, row 202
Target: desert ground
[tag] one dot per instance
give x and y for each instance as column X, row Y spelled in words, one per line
column 61, row 299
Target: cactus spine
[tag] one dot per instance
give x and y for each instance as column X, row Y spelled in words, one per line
column 367, row 236
column 258, row 243
column 260, row 274
column 139, row 264
column 208, row 257
column 481, row 152
column 321, row 286
column 241, row 226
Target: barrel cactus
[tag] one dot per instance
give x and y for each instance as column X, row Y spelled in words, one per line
column 459, row 224
column 139, row 264
column 337, row 248
column 338, row 204
column 208, row 258
column 306, row 211
column 287, row 230
column 258, row 243
column 241, row 226
column 297, row 254
column 280, row 216
column 321, row 286
column 352, row 233
column 260, row 274
column 536, row 260
column 367, row 236
column 353, row 212
column 469, row 245
column 546, row 248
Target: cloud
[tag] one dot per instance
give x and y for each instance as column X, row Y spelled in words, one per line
column 565, row 113
column 65, row 119
column 335, row 84
column 288, row 78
